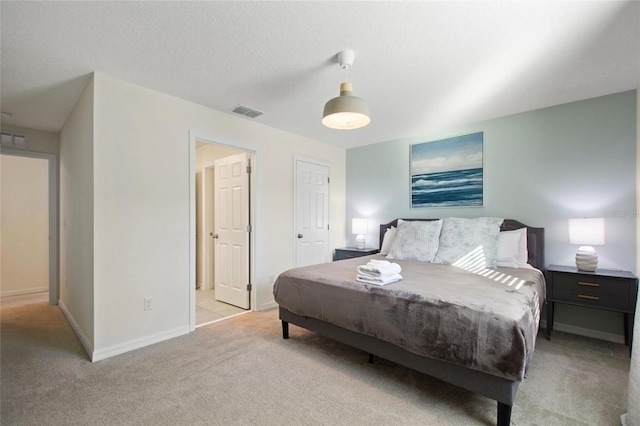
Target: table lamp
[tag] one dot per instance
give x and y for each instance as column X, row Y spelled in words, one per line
column 359, row 228
column 586, row 232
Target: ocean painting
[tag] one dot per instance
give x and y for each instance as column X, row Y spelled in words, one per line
column 448, row 172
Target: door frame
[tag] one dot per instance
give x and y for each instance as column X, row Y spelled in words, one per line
column 195, row 137
column 310, row 160
column 52, row 161
column 206, row 272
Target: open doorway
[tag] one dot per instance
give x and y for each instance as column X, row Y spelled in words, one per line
column 29, row 224
column 222, row 231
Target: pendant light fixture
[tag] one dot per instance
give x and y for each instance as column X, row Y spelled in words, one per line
column 346, row 112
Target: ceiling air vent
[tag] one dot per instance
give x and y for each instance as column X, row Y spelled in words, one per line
column 14, row 141
column 246, row 111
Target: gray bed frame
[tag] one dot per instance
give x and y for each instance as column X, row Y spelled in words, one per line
column 499, row 389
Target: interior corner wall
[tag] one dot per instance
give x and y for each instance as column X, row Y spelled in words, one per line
column 142, row 207
column 541, row 167
column 76, row 218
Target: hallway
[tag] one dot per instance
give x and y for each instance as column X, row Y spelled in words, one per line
column 208, row 309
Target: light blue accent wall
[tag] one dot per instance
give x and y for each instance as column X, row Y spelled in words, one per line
column 540, row 167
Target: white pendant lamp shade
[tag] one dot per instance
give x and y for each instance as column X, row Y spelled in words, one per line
column 346, row 112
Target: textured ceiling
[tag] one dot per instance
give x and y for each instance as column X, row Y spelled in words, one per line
column 420, row 65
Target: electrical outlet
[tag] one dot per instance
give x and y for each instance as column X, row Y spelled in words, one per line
column 147, row 303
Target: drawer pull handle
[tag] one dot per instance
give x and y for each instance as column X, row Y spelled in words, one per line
column 584, row 296
column 588, row 284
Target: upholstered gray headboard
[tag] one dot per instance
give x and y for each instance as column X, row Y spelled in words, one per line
column 535, row 239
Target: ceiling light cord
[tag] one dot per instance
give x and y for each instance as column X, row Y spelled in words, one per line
column 346, row 112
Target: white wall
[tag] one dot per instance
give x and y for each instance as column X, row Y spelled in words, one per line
column 76, row 217
column 141, row 207
column 541, row 167
column 25, row 225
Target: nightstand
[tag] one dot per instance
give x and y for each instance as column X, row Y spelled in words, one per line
column 603, row 289
column 350, row 252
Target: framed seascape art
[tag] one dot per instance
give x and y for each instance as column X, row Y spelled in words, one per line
column 448, row 172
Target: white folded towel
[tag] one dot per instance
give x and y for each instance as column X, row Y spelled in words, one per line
column 379, row 281
column 379, row 269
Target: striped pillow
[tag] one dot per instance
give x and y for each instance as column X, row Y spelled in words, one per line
column 416, row 240
column 461, row 237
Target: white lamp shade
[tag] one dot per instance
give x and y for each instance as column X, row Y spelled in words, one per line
column 358, row 226
column 586, row 231
column 346, row 112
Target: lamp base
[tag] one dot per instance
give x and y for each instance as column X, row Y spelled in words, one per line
column 586, row 259
column 360, row 242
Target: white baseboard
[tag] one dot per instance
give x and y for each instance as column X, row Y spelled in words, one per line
column 24, row 291
column 138, row 343
column 122, row 347
column 586, row 332
column 83, row 339
column 267, row 306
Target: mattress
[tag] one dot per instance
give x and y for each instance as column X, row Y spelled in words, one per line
column 486, row 321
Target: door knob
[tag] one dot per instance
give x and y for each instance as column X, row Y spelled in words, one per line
column 213, row 235
column 299, row 235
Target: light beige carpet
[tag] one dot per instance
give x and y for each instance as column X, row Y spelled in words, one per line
column 241, row 372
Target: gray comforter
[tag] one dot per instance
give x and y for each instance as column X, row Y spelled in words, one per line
column 487, row 323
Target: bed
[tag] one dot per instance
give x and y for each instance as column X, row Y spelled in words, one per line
column 472, row 327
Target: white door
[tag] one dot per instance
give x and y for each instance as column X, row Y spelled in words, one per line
column 232, row 230
column 311, row 213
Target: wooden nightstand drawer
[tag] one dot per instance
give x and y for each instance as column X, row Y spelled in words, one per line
column 586, row 284
column 591, row 298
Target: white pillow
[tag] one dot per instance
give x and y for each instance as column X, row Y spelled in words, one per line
column 508, row 246
column 416, row 240
column 512, row 249
column 387, row 241
column 460, row 237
